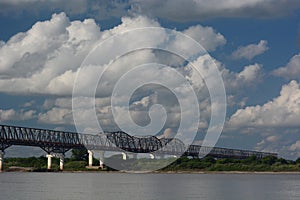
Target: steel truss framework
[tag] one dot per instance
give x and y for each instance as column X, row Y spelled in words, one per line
column 60, row 142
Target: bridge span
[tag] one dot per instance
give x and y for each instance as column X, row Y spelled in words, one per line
column 57, row 143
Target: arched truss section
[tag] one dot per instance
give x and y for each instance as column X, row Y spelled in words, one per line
column 134, row 144
column 173, row 145
column 146, row 144
column 96, row 142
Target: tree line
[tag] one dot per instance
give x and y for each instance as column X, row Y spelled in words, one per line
column 79, row 160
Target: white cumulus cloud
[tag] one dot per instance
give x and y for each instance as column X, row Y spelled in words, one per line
column 291, row 70
column 251, row 50
column 206, row 36
column 282, row 111
column 45, row 58
column 11, row 114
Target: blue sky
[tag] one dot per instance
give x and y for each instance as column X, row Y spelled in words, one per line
column 255, row 44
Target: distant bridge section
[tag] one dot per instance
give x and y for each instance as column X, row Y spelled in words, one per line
column 57, row 143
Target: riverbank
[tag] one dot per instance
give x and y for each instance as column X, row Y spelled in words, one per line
column 230, row 172
column 31, row 170
column 182, row 165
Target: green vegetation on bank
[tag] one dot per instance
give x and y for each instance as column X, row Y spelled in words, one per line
column 40, row 164
column 251, row 164
column 78, row 162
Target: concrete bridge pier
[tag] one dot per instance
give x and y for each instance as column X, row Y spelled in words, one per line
column 125, row 156
column 61, row 161
column 90, row 158
column 152, row 156
column 49, row 163
column 101, row 159
column 1, row 160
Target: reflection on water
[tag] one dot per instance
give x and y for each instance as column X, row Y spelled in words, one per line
column 72, row 186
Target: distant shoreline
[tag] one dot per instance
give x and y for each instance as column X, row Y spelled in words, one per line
column 228, row 172
column 207, row 165
column 26, row 170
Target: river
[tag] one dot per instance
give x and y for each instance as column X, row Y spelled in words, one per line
column 114, row 186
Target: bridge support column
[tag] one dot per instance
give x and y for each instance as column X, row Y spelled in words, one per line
column 49, row 164
column 61, row 162
column 90, row 158
column 101, row 159
column 152, row 156
column 1, row 160
column 124, row 156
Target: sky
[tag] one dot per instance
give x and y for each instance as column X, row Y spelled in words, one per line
column 254, row 45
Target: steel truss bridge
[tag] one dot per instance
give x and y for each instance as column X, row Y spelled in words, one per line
column 60, row 142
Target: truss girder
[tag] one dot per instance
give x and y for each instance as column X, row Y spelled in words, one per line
column 53, row 141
